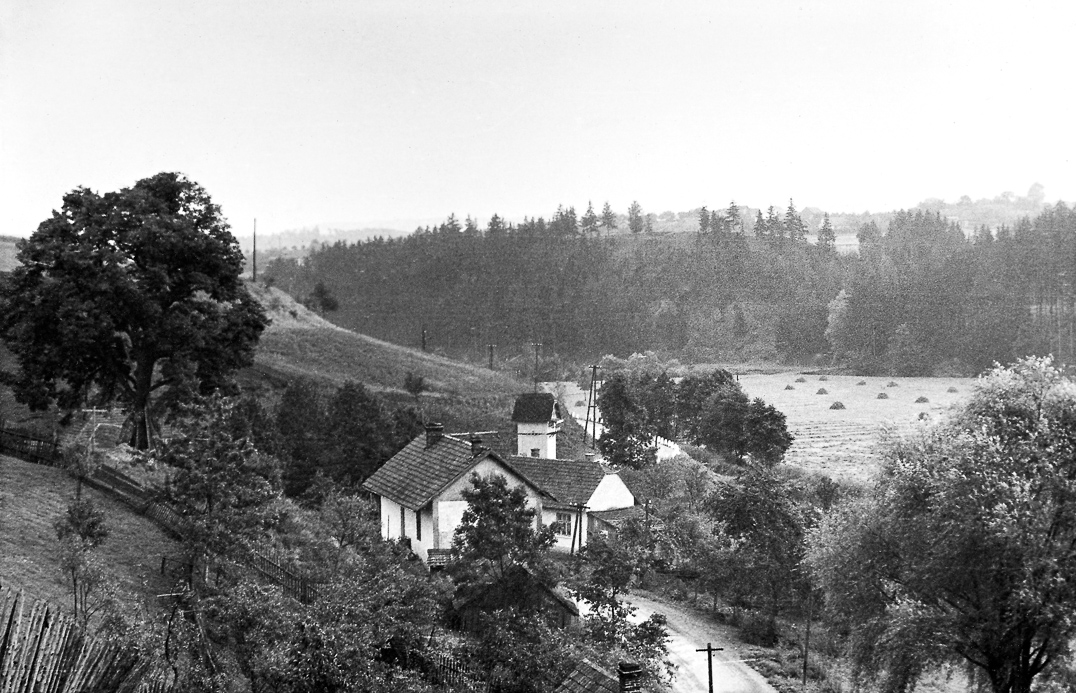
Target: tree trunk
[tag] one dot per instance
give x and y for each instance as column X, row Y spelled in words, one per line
column 140, row 405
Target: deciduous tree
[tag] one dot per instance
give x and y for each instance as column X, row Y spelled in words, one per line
column 963, row 552
column 127, row 294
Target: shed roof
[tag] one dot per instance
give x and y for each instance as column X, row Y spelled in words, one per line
column 588, row 677
column 535, row 407
column 568, row 481
column 618, row 516
column 414, row 475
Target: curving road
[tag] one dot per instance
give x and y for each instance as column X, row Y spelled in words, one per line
column 688, row 632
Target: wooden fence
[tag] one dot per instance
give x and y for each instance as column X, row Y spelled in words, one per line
column 131, row 492
column 448, row 671
column 27, row 447
column 43, row 651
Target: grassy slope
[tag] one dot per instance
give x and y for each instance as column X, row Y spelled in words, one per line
column 31, row 498
column 301, row 344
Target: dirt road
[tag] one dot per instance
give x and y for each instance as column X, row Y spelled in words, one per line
column 688, row 632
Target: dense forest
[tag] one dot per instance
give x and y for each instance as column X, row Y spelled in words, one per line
column 920, row 296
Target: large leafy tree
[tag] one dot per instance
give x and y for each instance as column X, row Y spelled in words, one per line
column 964, row 552
column 497, row 530
column 739, row 427
column 122, row 296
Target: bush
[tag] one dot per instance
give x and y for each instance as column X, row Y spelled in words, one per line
column 837, row 405
column 801, row 379
column 952, row 389
column 923, row 416
column 789, row 387
column 892, row 383
column 822, row 391
column 921, row 400
column 882, row 395
column 758, row 630
column 862, row 382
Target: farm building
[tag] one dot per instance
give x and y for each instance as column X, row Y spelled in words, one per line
column 420, row 488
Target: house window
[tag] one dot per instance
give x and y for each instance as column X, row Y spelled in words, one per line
column 535, row 452
column 418, row 526
column 564, row 524
column 403, row 522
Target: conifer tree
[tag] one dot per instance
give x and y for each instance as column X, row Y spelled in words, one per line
column 704, row 220
column 635, row 217
column 608, row 217
column 827, row 239
column 733, row 219
column 794, row 228
column 590, row 219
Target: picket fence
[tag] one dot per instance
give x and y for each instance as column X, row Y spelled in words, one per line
column 43, row 651
column 130, row 491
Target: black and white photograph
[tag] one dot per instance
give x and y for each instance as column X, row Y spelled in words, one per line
column 537, row 346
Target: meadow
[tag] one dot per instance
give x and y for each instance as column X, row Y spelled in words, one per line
column 843, row 443
column 32, row 496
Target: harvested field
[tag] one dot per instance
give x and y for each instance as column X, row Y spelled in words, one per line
column 843, row 443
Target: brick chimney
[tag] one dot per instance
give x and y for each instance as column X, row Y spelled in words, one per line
column 631, row 677
column 434, row 432
column 476, row 446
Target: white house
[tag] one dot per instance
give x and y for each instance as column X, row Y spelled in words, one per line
column 420, row 489
column 579, row 489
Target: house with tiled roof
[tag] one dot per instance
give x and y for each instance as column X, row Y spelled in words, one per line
column 578, row 489
column 420, row 489
column 537, row 418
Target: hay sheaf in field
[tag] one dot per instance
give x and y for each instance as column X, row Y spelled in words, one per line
column 844, row 442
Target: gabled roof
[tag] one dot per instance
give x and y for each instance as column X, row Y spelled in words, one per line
column 588, row 677
column 535, row 407
column 572, row 482
column 618, row 516
column 414, row 475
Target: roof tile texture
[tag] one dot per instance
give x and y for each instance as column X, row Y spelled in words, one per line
column 417, row 473
column 535, row 407
column 569, row 481
column 588, row 677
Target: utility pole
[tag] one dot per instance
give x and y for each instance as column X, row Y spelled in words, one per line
column 710, row 650
column 254, row 255
column 536, row 345
column 491, row 355
column 424, row 338
column 592, row 407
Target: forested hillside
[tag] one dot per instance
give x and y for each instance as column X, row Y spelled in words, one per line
column 920, row 296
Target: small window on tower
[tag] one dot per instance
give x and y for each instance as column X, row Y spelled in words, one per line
column 535, row 452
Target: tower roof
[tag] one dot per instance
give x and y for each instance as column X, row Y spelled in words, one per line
column 536, row 407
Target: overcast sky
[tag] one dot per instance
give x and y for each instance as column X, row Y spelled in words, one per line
column 299, row 112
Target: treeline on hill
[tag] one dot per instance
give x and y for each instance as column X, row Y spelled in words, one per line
column 919, row 297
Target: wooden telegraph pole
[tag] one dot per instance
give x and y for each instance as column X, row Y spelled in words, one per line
column 491, row 355
column 254, row 255
column 710, row 650
column 536, row 345
column 592, row 408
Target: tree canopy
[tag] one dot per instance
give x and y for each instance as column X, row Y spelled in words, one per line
column 963, row 553
column 126, row 294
